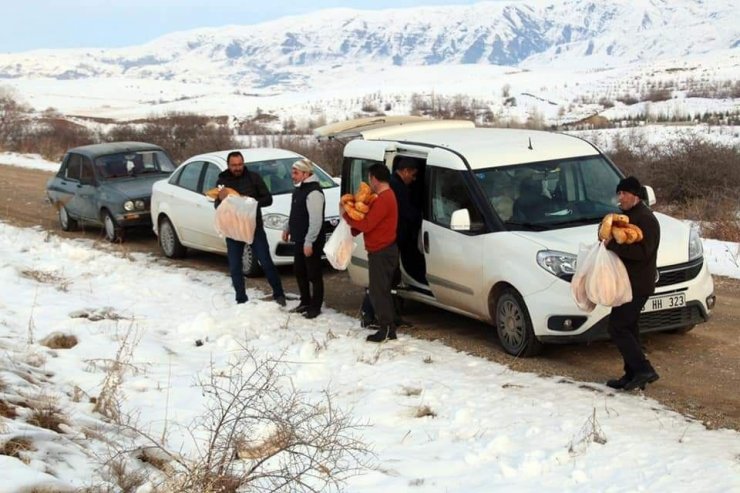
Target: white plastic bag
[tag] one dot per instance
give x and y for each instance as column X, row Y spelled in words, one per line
column 607, row 282
column 236, row 218
column 584, row 264
column 338, row 249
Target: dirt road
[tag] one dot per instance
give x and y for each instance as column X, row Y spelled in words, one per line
column 700, row 371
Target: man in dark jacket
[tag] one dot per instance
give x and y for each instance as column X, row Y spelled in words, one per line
column 306, row 228
column 248, row 184
column 407, row 235
column 640, row 260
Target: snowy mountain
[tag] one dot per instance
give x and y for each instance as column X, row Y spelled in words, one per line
column 286, row 53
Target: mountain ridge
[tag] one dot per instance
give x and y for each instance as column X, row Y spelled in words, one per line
column 284, row 51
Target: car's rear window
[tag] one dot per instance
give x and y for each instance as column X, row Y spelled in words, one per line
column 276, row 174
column 134, row 163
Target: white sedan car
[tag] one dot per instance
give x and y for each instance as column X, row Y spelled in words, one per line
column 183, row 217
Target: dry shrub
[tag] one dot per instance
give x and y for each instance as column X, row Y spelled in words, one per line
column 125, row 479
column 327, row 154
column 682, row 170
column 57, row 340
column 46, row 414
column 7, row 410
column 182, row 134
column 425, row 411
column 16, row 446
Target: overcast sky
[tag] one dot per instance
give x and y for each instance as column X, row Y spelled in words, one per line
column 31, row 24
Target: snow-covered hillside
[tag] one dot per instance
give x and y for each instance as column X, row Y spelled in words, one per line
column 579, row 33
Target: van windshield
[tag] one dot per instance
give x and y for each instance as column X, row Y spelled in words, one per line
column 551, row 194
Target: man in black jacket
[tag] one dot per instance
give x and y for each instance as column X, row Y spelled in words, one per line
column 640, row 260
column 249, row 184
column 306, row 228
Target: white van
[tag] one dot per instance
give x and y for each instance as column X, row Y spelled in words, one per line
column 504, row 212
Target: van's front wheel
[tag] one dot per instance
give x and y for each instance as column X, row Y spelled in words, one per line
column 513, row 325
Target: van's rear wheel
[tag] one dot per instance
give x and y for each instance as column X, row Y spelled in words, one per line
column 513, row 325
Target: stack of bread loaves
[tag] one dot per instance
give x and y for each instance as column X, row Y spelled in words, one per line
column 618, row 226
column 357, row 205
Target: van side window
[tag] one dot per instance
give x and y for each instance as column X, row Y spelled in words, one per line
column 358, row 172
column 449, row 194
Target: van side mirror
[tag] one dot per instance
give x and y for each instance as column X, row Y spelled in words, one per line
column 649, row 195
column 460, row 220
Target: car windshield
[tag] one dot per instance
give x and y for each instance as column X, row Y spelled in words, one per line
column 552, row 194
column 276, row 174
column 133, row 163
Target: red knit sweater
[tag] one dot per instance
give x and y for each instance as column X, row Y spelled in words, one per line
column 379, row 224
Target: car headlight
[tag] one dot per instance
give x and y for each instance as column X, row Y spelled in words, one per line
column 128, row 206
column 696, row 249
column 140, row 204
column 560, row 264
column 275, row 221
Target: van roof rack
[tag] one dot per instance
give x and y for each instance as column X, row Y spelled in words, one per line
column 357, row 127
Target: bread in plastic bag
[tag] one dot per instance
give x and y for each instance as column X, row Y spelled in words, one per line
column 339, row 247
column 607, row 282
column 236, row 218
column 584, row 264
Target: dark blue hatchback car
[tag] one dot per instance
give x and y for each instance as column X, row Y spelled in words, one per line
column 109, row 185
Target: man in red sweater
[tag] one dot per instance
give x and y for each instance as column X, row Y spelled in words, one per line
column 379, row 228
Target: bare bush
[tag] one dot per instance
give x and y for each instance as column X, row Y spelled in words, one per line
column 264, row 435
column 108, row 401
column 182, row 134
column 683, row 170
column 57, row 340
column 13, row 120
column 657, row 94
column 590, row 432
column 46, row 414
column 51, row 137
column 327, row 154
column 17, row 447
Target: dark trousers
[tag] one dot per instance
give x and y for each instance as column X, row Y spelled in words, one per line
column 382, row 266
column 261, row 251
column 625, row 333
column 309, row 274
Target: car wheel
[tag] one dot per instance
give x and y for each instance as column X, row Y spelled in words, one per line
column 113, row 232
column 66, row 222
column 168, row 240
column 513, row 325
column 250, row 266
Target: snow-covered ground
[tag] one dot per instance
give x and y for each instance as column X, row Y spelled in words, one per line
column 484, row 426
column 492, row 427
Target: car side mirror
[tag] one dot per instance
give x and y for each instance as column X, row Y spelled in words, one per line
column 460, row 220
column 649, row 195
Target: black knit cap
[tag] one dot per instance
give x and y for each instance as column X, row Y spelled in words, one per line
column 631, row 185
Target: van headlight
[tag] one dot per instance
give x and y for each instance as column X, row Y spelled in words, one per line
column 128, row 206
column 560, row 264
column 696, row 249
column 275, row 221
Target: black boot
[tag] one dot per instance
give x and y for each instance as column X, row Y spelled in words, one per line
column 619, row 383
column 641, row 379
column 385, row 333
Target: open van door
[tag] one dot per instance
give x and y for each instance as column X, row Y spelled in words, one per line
column 359, row 155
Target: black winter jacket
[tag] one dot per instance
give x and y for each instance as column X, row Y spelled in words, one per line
column 640, row 258
column 249, row 184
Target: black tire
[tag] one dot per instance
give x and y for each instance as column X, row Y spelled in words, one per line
column 169, row 243
column 113, row 232
column 513, row 325
column 250, row 266
column 65, row 221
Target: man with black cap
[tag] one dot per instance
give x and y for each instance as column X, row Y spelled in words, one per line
column 640, row 260
column 305, row 227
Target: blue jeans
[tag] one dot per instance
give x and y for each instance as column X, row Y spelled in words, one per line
column 261, row 251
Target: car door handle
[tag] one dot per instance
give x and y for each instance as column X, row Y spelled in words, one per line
column 426, row 242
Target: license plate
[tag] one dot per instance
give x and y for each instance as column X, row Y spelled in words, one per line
column 664, row 302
